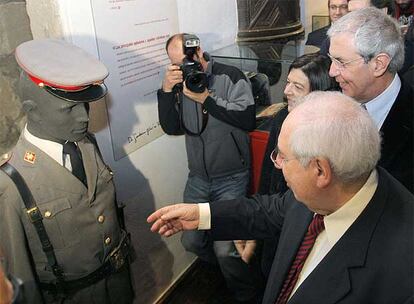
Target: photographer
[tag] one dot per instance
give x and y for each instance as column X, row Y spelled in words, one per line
column 212, row 104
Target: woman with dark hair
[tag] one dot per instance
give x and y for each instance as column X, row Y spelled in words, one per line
column 307, row 73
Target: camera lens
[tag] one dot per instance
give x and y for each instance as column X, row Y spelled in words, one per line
column 196, row 82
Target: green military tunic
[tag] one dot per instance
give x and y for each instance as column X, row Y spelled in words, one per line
column 81, row 223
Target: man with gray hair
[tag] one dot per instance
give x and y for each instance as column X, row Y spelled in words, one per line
column 367, row 50
column 345, row 226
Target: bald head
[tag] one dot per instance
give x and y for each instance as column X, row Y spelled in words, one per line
column 334, row 126
column 332, row 106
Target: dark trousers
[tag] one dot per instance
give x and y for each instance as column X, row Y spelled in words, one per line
column 239, row 276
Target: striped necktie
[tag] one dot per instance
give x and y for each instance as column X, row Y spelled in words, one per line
column 315, row 227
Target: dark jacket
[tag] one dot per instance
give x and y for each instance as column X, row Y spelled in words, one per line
column 317, row 37
column 272, row 181
column 223, row 147
column 271, row 178
column 397, row 151
column 371, row 263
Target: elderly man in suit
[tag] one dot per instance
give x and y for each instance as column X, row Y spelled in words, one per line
column 58, row 219
column 367, row 72
column 346, row 225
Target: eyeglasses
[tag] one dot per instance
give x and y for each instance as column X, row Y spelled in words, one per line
column 342, row 65
column 343, row 7
column 278, row 160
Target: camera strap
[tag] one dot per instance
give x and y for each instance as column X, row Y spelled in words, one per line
column 204, row 117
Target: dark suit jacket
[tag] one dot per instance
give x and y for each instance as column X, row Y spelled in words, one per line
column 317, row 37
column 271, row 181
column 371, row 263
column 271, row 178
column 397, row 151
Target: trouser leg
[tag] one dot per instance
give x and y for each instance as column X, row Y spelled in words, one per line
column 241, row 278
column 196, row 241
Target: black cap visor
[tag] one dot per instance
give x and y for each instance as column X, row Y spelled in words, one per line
column 92, row 93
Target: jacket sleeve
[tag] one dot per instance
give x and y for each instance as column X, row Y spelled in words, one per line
column 168, row 114
column 238, row 109
column 258, row 217
column 14, row 241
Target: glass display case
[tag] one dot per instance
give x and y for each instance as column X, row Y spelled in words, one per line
column 265, row 63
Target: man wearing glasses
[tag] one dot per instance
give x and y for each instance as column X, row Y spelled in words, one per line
column 345, row 225
column 366, row 51
column 337, row 9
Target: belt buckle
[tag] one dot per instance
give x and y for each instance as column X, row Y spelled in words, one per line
column 117, row 259
column 118, row 256
column 34, row 214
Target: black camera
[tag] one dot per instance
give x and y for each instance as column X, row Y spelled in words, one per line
column 195, row 79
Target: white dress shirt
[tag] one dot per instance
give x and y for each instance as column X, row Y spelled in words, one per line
column 379, row 107
column 336, row 224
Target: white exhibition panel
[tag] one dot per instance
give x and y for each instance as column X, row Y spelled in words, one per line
column 134, row 53
column 155, row 174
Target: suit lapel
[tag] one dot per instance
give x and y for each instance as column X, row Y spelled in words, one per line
column 331, row 279
column 294, row 229
column 397, row 127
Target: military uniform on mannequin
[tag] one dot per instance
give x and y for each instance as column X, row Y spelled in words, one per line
column 69, row 246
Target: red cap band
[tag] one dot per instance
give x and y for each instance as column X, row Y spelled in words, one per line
column 41, row 82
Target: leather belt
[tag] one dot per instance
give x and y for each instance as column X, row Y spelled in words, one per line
column 115, row 262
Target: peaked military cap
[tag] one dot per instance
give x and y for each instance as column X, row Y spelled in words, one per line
column 63, row 69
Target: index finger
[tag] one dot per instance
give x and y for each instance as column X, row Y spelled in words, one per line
column 154, row 216
column 173, row 67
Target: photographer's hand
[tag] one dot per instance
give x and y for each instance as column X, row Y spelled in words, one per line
column 173, row 75
column 197, row 97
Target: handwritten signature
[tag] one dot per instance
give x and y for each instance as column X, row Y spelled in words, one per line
column 135, row 136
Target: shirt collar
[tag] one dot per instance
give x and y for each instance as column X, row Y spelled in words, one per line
column 337, row 223
column 379, row 107
column 51, row 148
